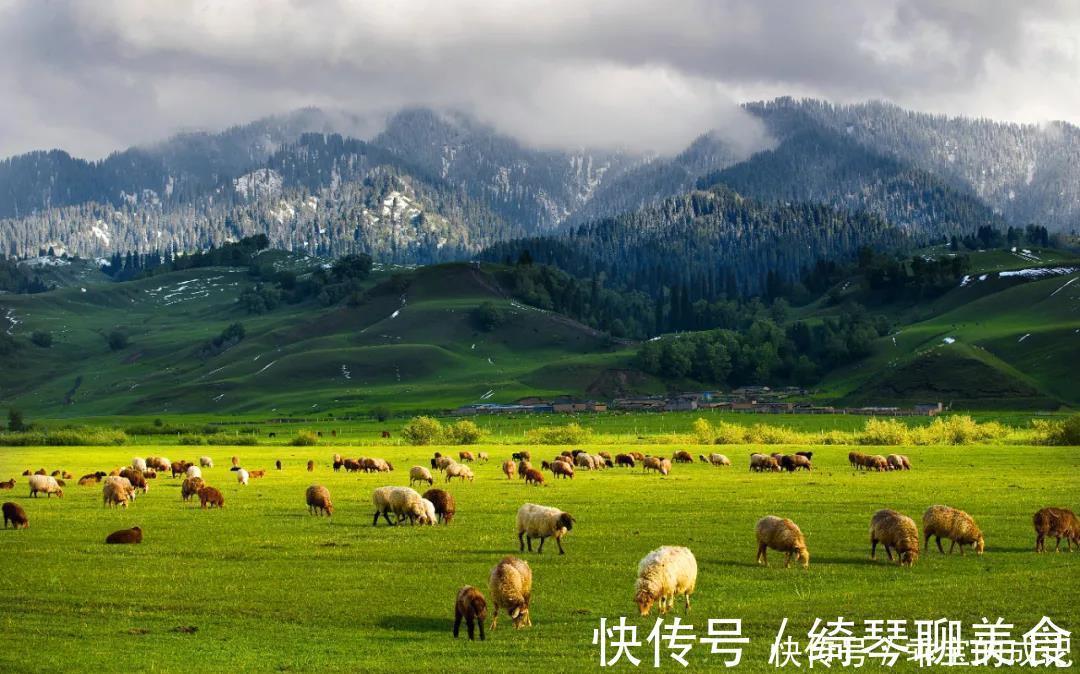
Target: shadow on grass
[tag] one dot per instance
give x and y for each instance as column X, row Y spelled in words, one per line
column 412, row 623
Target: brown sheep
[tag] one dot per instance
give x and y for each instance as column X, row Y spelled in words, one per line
column 784, row 536
column 523, row 455
column 14, row 513
column 445, row 506
column 562, row 469
column 471, row 607
column 257, row 473
column 534, row 476
column 895, row 462
column 352, row 465
column 210, row 496
column 624, row 460
column 682, row 456
column 179, row 467
column 135, row 477
column 115, row 494
column 465, row 456
column 794, row 462
column 523, row 467
column 235, row 461
column 91, row 479
column 10, row 484
column 277, row 464
column 27, row 472
column 956, row 525
column 311, row 466
column 1059, row 523
column 652, row 463
column 125, row 536
column 509, row 469
column 894, row 530
column 318, row 500
column 638, row 456
column 191, row 487
column 856, row 459
column 41, row 471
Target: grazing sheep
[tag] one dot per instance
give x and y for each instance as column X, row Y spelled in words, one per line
column 179, row 468
column 242, row 476
column 420, row 474
column 784, row 536
column 41, row 471
column 443, row 462
column 471, row 607
column 10, row 484
column 510, row 587
column 761, row 463
column 605, row 454
column 139, row 464
column 45, row 484
column 856, row 459
column 376, row 465
column 509, row 469
column 523, row 466
column 14, row 513
column 206, row 462
column 150, row 474
column 875, row 462
column 27, row 472
column 1059, row 523
column 585, row 461
column 318, row 500
column 256, row 474
column 638, row 456
column 718, row 459
column 809, row 455
column 460, row 471
column 116, row 493
column 136, row 478
column 624, row 460
column 944, row 522
column 193, row 471
column 430, row 516
column 562, row 469
column 235, row 461
column 534, row 476
column 310, row 466
column 537, row 521
column 894, row 530
column 445, row 506
column 125, row 537
column 895, row 462
column 682, row 456
column 523, row 455
column 158, row 463
column 402, row 501
column 465, row 456
column 652, row 463
column 664, row 574
column 352, row 466
column 191, row 487
column 210, row 496
column 482, row 457
column 277, row 464
column 794, row 462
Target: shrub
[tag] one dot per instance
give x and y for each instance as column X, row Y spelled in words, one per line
column 703, row 431
column 422, row 431
column 957, row 430
column 381, row 413
column 238, row 440
column 117, row 340
column 884, row 432
column 730, row 434
column 464, row 432
column 191, row 440
column 63, row 438
column 487, row 317
column 304, row 439
column 1065, row 433
column 16, row 423
column 765, row 434
column 570, row 434
column 41, row 338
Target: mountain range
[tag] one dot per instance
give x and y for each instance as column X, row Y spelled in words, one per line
column 434, row 186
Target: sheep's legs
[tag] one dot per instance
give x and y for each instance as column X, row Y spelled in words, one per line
column 888, row 551
column 1057, row 544
column 787, row 560
column 480, row 625
column 495, row 617
column 687, row 598
column 457, row 623
column 521, row 541
column 541, row 548
column 563, row 552
column 937, row 539
column 873, row 548
column 1039, row 545
column 762, row 557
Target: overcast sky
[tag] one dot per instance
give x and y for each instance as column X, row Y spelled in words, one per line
column 91, row 76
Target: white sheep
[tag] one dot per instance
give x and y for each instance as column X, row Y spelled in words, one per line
column 430, row 517
column 443, row 462
column 241, row 476
column 46, row 484
column 206, row 462
column 139, row 464
column 586, row 461
column 193, row 471
column 664, row 574
column 459, row 470
column 510, row 586
column 420, row 474
column 402, row 501
column 537, row 521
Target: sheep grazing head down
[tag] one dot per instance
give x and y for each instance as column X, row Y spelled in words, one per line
column 646, row 595
column 802, row 556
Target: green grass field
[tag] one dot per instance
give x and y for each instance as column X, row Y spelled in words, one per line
column 269, row 587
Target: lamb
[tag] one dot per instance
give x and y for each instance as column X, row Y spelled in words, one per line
column 242, row 476
column 191, row 487
column 537, row 521
column 510, row 587
column 193, row 471
column 717, row 459
column 471, row 607
column 682, row 456
column 482, row 457
column 534, row 476
column 210, row 496
column 256, row 474
column 1059, row 523
column 318, row 500
column 116, row 493
column 465, row 456
column 956, row 525
column 10, row 484
column 445, row 506
column 402, row 501
column 782, row 535
column 139, row 464
column 125, row 536
column 420, row 474
column 460, row 471
column 14, row 513
column 178, row 467
column 430, row 516
column 894, row 530
column 509, row 469
column 377, row 466
column 664, row 574
column 277, row 464
column 562, row 469
column 624, row 460
column 206, row 462
column 310, row 466
column 45, row 484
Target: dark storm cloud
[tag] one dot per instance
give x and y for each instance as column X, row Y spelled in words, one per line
column 95, row 75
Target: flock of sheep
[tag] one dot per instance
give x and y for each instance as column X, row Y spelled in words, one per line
column 664, row 575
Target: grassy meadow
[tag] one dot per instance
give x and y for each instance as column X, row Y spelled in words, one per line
column 266, row 586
